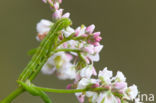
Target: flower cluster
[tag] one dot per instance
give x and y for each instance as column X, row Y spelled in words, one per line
column 115, row 89
column 81, row 41
column 76, row 51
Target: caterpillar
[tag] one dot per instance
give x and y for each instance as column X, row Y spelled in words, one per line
column 40, row 56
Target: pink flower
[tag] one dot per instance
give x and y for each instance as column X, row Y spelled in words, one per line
column 60, row 1
column 97, row 37
column 77, row 31
column 65, row 45
column 80, row 97
column 57, row 14
column 56, row 5
column 89, row 49
column 119, row 101
column 84, row 35
column 66, row 15
column 120, row 85
column 95, row 85
column 90, row 28
column 45, row 1
column 69, row 57
column 69, row 86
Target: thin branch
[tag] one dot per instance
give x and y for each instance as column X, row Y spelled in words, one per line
column 70, row 90
column 68, row 50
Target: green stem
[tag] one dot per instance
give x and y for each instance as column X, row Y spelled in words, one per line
column 71, row 37
column 67, row 50
column 70, row 90
column 13, row 95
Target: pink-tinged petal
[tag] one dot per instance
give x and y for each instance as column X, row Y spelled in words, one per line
column 90, row 28
column 69, row 86
column 98, row 39
column 118, row 100
column 120, row 85
column 78, row 77
column 89, row 49
column 57, row 14
column 81, row 98
column 56, row 5
column 95, row 85
column 87, row 60
column 69, row 57
column 77, row 31
column 97, row 34
column 84, row 35
column 60, row 1
column 96, row 43
column 66, row 15
column 94, row 71
column 65, row 45
column 45, row 1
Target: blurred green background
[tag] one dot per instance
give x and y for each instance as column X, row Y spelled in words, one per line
column 129, row 34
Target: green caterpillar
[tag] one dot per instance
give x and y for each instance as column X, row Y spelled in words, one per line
column 40, row 56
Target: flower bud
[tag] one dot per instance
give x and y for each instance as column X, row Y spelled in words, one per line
column 90, row 28
column 69, row 86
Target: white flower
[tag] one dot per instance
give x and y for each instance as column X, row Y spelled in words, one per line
column 107, row 97
column 92, row 52
column 132, row 92
column 87, row 71
column 105, row 76
column 58, row 14
column 57, row 61
column 89, row 49
column 68, row 31
column 67, row 72
column 95, row 55
column 80, row 31
column 48, row 68
column 71, row 44
column 120, row 77
column 43, row 26
column 92, row 95
column 84, row 82
column 61, row 63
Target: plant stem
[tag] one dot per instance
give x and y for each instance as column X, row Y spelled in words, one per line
column 13, row 95
column 70, row 90
column 68, row 50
